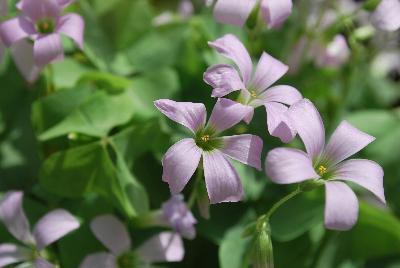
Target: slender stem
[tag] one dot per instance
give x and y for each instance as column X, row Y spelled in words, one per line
column 49, row 79
column 193, row 195
column 282, row 201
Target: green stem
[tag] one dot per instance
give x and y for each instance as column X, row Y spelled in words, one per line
column 193, row 195
column 49, row 80
column 282, row 201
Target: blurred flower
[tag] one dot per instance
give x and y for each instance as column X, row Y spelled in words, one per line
column 324, row 164
column 42, row 22
column 164, row 247
column 255, row 87
column 385, row 63
column 236, row 12
column 333, row 54
column 182, row 159
column 387, row 15
column 50, row 228
column 185, row 8
column 177, row 215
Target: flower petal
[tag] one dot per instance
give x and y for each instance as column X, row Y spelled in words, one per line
column 72, row 25
column 99, row 260
column 48, row 49
column 364, row 172
column 244, row 148
column 345, row 141
column 288, row 165
column 53, row 226
column 231, row 47
column 278, row 123
column 306, row 120
column 164, row 247
column 37, row 9
column 233, row 12
column 224, row 79
column 222, row 181
column 65, row 3
column 386, row 15
column 227, row 113
column 283, row 94
column 333, row 54
column 179, row 164
column 268, row 71
column 111, row 233
column 42, row 263
column 188, row 114
column 22, row 53
column 10, row 253
column 13, row 216
column 14, row 30
column 341, row 206
column 275, row 12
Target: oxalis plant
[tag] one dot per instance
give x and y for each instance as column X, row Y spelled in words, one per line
column 90, row 134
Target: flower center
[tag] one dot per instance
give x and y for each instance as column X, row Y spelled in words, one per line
column 205, row 138
column 45, row 25
column 128, row 260
column 253, row 94
column 322, row 170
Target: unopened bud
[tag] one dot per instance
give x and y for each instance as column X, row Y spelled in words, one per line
column 251, row 22
column 262, row 252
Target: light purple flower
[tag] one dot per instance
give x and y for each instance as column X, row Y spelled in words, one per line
column 50, row 228
column 164, row 247
column 325, row 164
column 386, row 16
column 236, row 12
column 185, row 8
column 255, row 87
column 177, row 215
column 334, row 54
column 42, row 22
column 182, row 159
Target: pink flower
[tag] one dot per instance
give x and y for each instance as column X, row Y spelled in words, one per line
column 334, row 54
column 182, row 159
column 386, row 16
column 325, row 164
column 236, row 12
column 42, row 22
column 50, row 228
column 164, row 247
column 255, row 87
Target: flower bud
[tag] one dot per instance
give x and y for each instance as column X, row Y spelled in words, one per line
column 262, row 252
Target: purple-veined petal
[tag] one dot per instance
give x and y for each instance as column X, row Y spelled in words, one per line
column 16, row 29
column 224, row 79
column 99, row 260
column 111, row 233
column 227, row 113
column 164, row 247
column 268, row 71
column 191, row 115
column 288, row 165
column 275, row 12
column 283, row 94
column 22, row 53
column 345, row 141
column 179, row 164
column 48, row 49
column 13, row 216
column 72, row 25
column 53, row 226
column 233, row 12
column 222, row 181
column 10, row 253
column 278, row 123
column 386, row 15
column 38, row 9
column 341, row 206
column 366, row 173
column 307, row 121
column 244, row 148
column 247, row 119
column 231, row 47
column 42, row 263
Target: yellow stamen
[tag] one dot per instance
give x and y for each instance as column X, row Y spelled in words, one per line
column 322, row 170
column 205, row 138
column 253, row 94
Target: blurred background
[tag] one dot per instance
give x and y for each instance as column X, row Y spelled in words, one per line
column 137, row 51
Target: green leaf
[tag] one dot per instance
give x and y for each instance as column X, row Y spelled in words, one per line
column 106, row 80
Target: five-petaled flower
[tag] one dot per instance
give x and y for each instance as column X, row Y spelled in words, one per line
column 236, row 12
column 386, row 15
column 164, row 247
column 325, row 164
column 255, row 88
column 50, row 228
column 182, row 159
column 42, row 22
